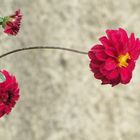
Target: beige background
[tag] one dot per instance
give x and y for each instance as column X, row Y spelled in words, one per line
column 60, row 99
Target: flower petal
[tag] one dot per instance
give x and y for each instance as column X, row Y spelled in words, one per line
column 101, row 56
column 106, row 43
column 98, row 75
column 110, row 64
column 124, row 37
column 131, row 41
column 126, row 75
column 95, row 49
column 113, row 74
column 111, row 52
column 94, row 67
column 135, row 52
column 105, row 81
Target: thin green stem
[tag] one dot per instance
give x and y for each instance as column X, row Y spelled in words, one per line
column 43, row 47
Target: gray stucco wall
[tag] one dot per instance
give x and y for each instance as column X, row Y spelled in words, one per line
column 60, row 99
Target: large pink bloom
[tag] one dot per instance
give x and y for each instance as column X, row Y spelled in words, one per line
column 9, row 93
column 12, row 23
column 114, row 59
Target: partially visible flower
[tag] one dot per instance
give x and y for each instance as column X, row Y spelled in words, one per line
column 114, row 59
column 9, row 93
column 11, row 24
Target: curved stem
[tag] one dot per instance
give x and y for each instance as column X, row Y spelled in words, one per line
column 43, row 47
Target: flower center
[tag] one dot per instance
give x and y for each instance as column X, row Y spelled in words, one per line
column 123, row 60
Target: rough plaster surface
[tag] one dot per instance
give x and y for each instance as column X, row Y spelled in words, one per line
column 60, row 99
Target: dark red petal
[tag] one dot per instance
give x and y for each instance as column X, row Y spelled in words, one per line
column 96, row 61
column 124, row 37
column 115, row 82
column 131, row 66
column 114, row 74
column 94, row 67
column 98, row 75
column 101, row 56
column 106, row 43
column 105, row 81
column 111, row 52
column 91, row 54
column 110, row 64
column 110, row 33
column 126, row 75
column 95, row 49
column 114, row 36
column 131, row 41
column 103, row 70
column 132, row 38
column 135, row 52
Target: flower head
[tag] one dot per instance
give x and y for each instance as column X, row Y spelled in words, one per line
column 11, row 24
column 113, row 61
column 9, row 93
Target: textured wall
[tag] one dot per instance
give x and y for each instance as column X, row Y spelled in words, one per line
column 60, row 99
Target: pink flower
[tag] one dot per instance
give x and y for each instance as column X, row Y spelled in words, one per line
column 9, row 93
column 11, row 24
column 113, row 61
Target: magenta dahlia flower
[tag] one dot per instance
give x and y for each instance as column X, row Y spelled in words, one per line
column 113, row 61
column 9, row 93
column 11, row 24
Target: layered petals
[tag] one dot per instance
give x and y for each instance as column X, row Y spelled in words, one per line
column 116, row 57
column 9, row 93
column 12, row 23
